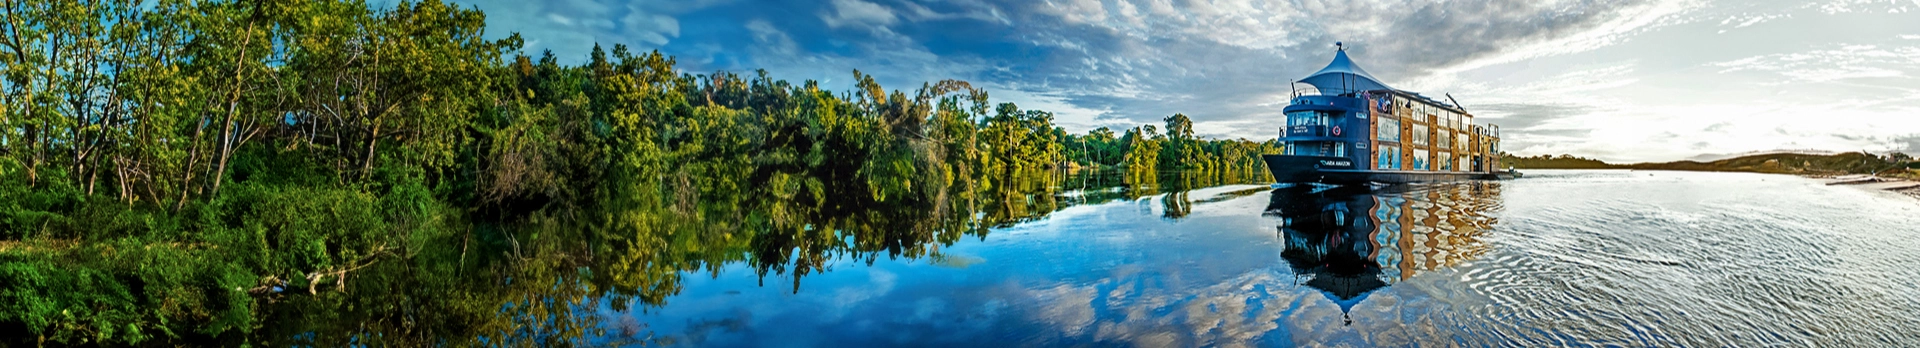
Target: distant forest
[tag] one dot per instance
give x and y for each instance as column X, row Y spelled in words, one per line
column 172, row 169
column 1893, row 164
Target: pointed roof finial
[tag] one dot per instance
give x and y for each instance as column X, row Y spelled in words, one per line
column 1340, row 45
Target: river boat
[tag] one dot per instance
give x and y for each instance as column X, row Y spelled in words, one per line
column 1346, row 127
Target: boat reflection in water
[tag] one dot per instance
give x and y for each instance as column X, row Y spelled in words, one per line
column 1349, row 241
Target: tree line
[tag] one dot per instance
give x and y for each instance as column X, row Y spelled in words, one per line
column 1891, row 164
column 178, row 169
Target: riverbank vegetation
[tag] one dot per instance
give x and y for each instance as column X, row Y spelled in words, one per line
column 1552, row 162
column 1893, row 164
column 326, row 172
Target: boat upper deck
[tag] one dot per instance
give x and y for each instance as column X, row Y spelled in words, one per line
column 1343, row 112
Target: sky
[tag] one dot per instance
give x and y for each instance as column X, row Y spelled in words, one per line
column 1621, row 81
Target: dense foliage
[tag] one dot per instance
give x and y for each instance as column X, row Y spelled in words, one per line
column 325, row 172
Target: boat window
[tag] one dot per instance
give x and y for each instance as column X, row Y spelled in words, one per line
column 1308, row 118
column 1389, row 130
column 1314, row 148
column 1339, row 149
column 1299, row 118
column 1388, row 158
column 1420, row 134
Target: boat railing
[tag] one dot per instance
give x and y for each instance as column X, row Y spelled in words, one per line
column 1348, row 103
column 1301, row 89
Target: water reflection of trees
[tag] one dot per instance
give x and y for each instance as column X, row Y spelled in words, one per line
column 1350, row 241
column 963, row 210
column 542, row 285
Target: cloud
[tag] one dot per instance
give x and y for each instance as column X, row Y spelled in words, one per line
column 1571, row 75
column 570, row 28
column 1909, row 144
column 1224, row 63
column 1227, row 62
column 1861, row 6
column 1521, row 117
column 856, row 12
column 1837, row 63
column 651, row 29
column 772, row 39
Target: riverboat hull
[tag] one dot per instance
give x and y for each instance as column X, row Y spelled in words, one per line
column 1340, row 171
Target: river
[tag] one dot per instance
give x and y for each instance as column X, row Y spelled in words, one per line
column 1588, row 258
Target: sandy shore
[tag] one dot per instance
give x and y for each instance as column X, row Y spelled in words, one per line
column 1914, row 192
column 1905, row 186
column 1876, row 183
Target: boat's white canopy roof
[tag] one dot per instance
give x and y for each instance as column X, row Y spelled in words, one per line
column 1342, row 77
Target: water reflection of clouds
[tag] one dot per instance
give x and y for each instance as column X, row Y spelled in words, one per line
column 880, row 282
column 1578, row 267
column 1101, row 274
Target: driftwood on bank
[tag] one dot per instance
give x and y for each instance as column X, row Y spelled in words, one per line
column 274, row 285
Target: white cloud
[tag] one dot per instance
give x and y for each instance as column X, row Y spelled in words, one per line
column 858, row 13
column 1825, row 65
column 772, row 39
column 1619, row 27
column 1862, row 6
column 571, row 27
column 652, row 29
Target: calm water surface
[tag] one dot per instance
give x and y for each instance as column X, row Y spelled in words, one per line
column 1602, row 258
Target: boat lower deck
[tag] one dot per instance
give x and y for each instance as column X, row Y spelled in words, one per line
column 1301, row 169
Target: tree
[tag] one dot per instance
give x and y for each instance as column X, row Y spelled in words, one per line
column 1181, row 151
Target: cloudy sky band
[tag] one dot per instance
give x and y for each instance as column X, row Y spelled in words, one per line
column 1621, row 80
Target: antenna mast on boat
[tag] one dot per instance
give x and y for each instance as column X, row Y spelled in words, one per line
column 1346, row 81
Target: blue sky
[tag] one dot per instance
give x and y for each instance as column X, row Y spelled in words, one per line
column 1622, row 81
